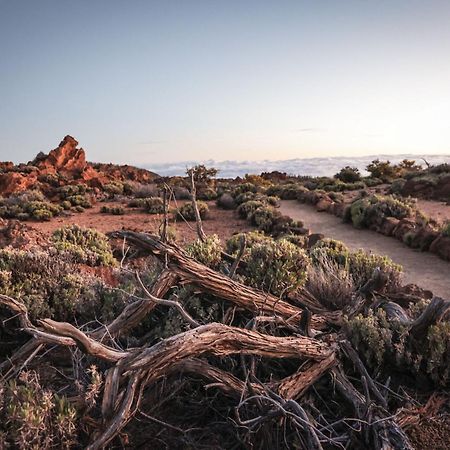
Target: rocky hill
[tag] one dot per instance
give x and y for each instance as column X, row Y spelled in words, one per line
column 66, row 164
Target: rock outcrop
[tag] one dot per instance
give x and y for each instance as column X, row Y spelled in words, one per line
column 65, row 164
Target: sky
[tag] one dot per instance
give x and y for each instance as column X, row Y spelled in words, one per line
column 150, row 82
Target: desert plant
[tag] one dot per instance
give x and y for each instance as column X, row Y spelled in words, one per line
column 382, row 169
column 329, row 250
column 114, row 210
column 113, row 188
column 208, row 252
column 226, row 201
column 348, row 174
column 278, row 267
column 246, row 210
column 34, row 417
column 85, row 245
column 233, row 244
column 207, row 194
column 187, row 212
column 154, row 205
column 362, row 265
column 244, row 187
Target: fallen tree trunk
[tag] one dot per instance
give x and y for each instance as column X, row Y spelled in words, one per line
column 216, row 284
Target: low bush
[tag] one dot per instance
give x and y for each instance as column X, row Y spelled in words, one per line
column 349, row 174
column 226, row 201
column 397, row 186
column 243, row 187
column 187, row 212
column 208, row 252
column 278, row 267
column 361, row 265
column 339, row 186
column 114, row 210
column 389, row 343
column 370, row 210
column 182, row 193
column 287, row 191
column 233, row 244
column 246, row 210
column 154, row 205
column 114, row 188
column 33, row 417
column 330, row 250
column 207, row 194
column 85, row 245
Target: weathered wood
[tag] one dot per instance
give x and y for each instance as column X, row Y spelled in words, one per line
column 134, row 313
column 294, row 386
column 216, row 284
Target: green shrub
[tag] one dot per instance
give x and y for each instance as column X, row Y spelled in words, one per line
column 287, row 191
column 113, row 188
column 233, row 244
column 33, row 417
column 85, row 245
column 349, row 174
column 330, row 249
column 397, row 186
column 187, row 212
column 207, row 194
column 362, row 265
column 208, row 252
column 246, row 210
column 226, row 201
column 244, row 197
column 154, row 205
column 48, row 284
column 384, row 342
column 114, row 210
column 264, row 218
column 28, row 205
column 243, row 187
column 278, row 267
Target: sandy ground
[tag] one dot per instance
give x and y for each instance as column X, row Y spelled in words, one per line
column 422, row 268
column 221, row 222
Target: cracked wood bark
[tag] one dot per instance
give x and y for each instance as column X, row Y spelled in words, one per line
column 214, row 283
column 296, row 385
column 135, row 312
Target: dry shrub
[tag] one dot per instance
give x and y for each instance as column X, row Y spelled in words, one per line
column 33, row 417
column 208, row 252
column 330, row 283
column 187, row 212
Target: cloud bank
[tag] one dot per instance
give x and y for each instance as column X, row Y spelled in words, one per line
column 299, row 166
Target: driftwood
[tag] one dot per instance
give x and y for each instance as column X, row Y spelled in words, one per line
column 299, row 334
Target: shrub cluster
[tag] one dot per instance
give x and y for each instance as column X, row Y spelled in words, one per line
column 208, row 252
column 114, row 210
column 373, row 210
column 85, row 245
column 74, row 195
column 35, row 417
column 278, row 267
column 388, row 342
column 28, row 205
column 187, row 212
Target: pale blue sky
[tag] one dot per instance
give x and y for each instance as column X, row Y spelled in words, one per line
column 146, row 82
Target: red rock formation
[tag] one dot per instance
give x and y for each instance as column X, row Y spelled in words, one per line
column 16, row 182
column 65, row 158
column 69, row 161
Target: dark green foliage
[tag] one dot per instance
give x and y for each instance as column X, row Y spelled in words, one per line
column 85, row 245
column 114, row 210
column 187, row 212
column 246, row 210
column 244, row 187
column 208, row 252
column 278, row 267
column 154, row 205
column 385, row 342
column 370, row 210
column 207, row 194
column 349, row 174
column 28, row 205
column 32, row 417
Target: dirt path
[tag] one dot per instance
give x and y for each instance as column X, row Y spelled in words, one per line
column 422, row 268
